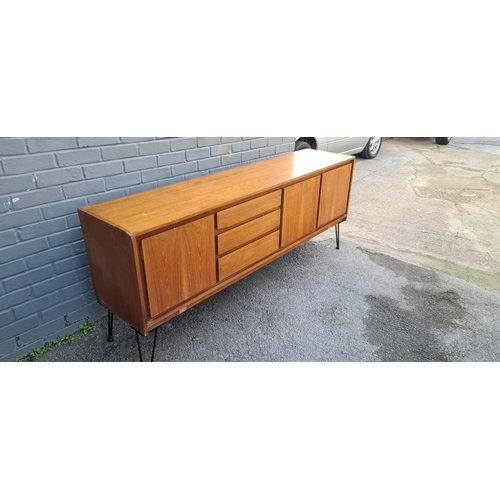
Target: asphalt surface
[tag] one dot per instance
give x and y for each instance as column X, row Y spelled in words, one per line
column 382, row 296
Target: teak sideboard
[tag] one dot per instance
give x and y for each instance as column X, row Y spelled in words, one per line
column 154, row 254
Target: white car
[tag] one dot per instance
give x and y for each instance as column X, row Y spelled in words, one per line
column 366, row 147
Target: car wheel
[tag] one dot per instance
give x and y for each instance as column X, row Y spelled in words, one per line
column 302, row 145
column 443, row 140
column 372, row 148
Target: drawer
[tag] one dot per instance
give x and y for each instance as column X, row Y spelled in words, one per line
column 248, row 210
column 247, row 232
column 248, row 255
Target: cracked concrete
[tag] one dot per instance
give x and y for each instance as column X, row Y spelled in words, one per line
column 436, row 206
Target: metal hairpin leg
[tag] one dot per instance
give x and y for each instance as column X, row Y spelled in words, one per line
column 139, row 345
column 110, row 326
column 337, row 234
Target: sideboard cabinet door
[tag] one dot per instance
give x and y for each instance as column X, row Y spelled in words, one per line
column 179, row 263
column 300, row 209
column 334, row 194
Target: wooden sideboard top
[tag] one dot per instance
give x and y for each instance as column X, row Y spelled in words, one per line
column 140, row 213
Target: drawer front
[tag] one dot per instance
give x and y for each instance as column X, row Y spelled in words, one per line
column 248, row 255
column 244, row 211
column 247, row 232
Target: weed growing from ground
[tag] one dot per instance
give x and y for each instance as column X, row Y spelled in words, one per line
column 85, row 329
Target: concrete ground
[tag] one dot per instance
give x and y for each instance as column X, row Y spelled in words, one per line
column 416, row 277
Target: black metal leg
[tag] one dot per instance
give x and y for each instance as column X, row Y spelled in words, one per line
column 337, row 234
column 139, row 345
column 110, row 325
column 154, row 346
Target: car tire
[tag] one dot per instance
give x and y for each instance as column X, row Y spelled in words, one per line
column 372, row 148
column 302, row 145
column 443, row 140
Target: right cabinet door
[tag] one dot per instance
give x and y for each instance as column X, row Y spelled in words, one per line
column 335, row 187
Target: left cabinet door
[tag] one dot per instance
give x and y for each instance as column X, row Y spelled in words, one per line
column 179, row 263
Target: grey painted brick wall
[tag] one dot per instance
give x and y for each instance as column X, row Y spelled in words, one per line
column 45, row 285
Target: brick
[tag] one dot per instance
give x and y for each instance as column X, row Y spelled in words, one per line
column 83, row 273
column 103, row 169
column 20, row 218
column 258, row 143
column 28, row 163
column 83, row 188
column 64, row 237
column 63, row 208
column 108, row 195
column 156, row 174
column 8, row 350
column 8, row 238
column 12, row 146
column 89, row 311
column 140, row 163
column 85, row 142
column 272, row 141
column 171, row 158
column 195, row 174
column 37, row 337
column 230, row 159
column 12, row 268
column 62, row 310
column 77, row 289
column 16, row 298
column 167, row 182
column 124, row 180
column 121, row 151
column 78, row 157
column 184, row 143
column 184, row 168
column 18, row 327
column 154, row 147
column 79, row 247
column 41, row 229
column 36, row 305
column 197, row 154
column 284, row 148
column 20, row 250
column 290, row 140
column 209, row 163
column 56, row 283
column 43, row 144
column 136, row 139
column 73, row 220
column 140, row 188
column 52, row 255
column 215, row 170
column 27, row 279
column 249, row 156
column 208, row 141
column 238, row 147
column 71, row 263
column 59, row 176
column 5, row 318
column 16, row 184
column 225, row 140
column 36, row 197
column 271, row 150
column 223, row 149
column 5, row 204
